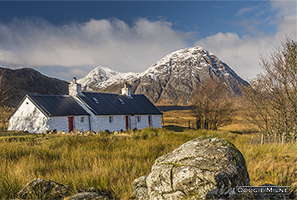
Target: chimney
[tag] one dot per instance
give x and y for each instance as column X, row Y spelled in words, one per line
column 126, row 91
column 75, row 88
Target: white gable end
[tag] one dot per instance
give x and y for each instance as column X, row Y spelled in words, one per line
column 28, row 118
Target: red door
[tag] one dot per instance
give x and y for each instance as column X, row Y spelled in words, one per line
column 70, row 123
column 150, row 120
column 127, row 122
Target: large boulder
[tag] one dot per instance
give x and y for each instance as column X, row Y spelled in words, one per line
column 43, row 189
column 203, row 168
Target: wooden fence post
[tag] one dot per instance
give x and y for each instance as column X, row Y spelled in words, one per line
column 262, row 139
column 283, row 138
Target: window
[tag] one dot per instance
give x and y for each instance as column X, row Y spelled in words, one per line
column 110, row 118
column 82, row 119
column 138, row 118
column 122, row 102
column 96, row 101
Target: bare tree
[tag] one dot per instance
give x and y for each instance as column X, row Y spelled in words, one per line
column 211, row 105
column 270, row 102
column 256, row 108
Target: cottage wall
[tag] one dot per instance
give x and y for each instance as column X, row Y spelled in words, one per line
column 156, row 121
column 144, row 121
column 102, row 122
column 62, row 124
column 140, row 121
column 28, row 118
column 58, row 123
column 118, row 122
column 81, row 124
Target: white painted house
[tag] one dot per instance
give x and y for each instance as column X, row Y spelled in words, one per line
column 85, row 111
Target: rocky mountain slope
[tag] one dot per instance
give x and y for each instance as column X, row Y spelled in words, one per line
column 171, row 80
column 14, row 84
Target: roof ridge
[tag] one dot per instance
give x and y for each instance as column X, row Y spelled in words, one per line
column 100, row 93
column 64, row 95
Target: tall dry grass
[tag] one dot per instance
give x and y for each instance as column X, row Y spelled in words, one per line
column 111, row 163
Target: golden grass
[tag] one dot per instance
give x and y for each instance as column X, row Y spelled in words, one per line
column 107, row 163
column 184, row 118
column 111, row 163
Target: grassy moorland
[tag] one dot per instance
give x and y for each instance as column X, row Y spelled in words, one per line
column 111, row 162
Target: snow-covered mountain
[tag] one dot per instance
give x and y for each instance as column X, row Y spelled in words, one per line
column 171, row 80
column 102, row 77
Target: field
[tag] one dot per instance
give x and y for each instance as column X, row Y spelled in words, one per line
column 182, row 119
column 111, row 162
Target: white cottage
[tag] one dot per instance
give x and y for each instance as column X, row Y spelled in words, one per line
column 85, row 111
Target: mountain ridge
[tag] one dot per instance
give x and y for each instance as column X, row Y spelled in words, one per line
column 169, row 81
column 16, row 83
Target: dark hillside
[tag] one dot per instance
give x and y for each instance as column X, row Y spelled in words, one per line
column 14, row 84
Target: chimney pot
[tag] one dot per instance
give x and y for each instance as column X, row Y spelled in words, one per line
column 126, row 91
column 75, row 88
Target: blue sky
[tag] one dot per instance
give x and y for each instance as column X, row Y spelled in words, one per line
column 66, row 39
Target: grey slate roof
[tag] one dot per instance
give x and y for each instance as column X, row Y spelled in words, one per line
column 115, row 104
column 98, row 103
column 57, row 105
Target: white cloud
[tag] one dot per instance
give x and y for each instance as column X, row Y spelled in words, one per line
column 284, row 7
column 110, row 43
column 242, row 54
column 246, row 10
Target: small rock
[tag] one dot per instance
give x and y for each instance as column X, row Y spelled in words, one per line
column 89, row 196
column 92, row 189
column 43, row 189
